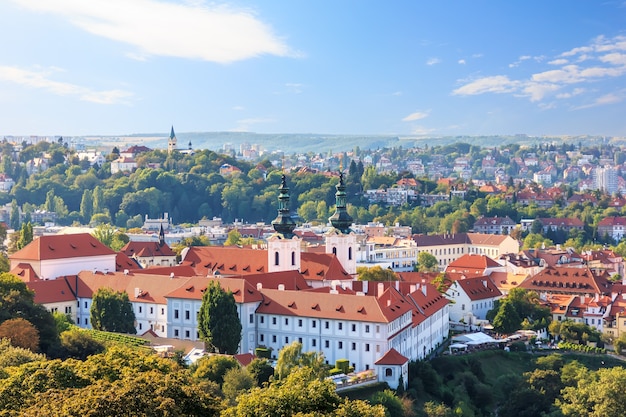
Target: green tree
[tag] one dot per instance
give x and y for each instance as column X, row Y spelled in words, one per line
column 112, row 311
column 427, row 262
column 233, row 238
column 596, row 394
column 261, row 370
column 237, row 381
column 214, row 367
column 14, row 219
column 218, row 322
column 78, row 344
column 86, row 206
column 26, row 235
column 507, row 320
column 291, row 357
column 17, row 301
column 376, row 273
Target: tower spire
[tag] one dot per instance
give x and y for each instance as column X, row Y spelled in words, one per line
column 171, row 142
column 284, row 223
column 341, row 220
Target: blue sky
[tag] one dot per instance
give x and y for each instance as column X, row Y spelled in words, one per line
column 409, row 68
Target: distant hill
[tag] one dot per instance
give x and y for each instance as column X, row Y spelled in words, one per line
column 322, row 143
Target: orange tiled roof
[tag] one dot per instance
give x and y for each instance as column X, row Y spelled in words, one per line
column 62, row 246
column 51, row 291
column 473, row 261
column 146, row 249
column 479, row 288
column 194, row 288
column 392, row 357
column 384, row 309
column 25, row 272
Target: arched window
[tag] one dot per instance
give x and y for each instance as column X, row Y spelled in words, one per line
column 276, row 258
column 350, row 253
column 293, row 258
column 335, row 251
column 388, row 372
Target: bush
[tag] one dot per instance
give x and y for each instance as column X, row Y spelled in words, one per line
column 343, row 365
column 261, row 352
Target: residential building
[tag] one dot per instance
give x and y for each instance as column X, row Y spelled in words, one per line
column 449, row 247
column 58, row 255
column 495, row 225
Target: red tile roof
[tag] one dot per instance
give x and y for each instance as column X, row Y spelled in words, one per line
column 123, row 262
column 384, row 309
column 392, row 357
column 25, row 272
column 51, row 291
column 227, row 260
column 565, row 280
column 479, row 288
column 322, row 266
column 194, row 288
column 62, row 246
column 146, row 249
column 472, row 261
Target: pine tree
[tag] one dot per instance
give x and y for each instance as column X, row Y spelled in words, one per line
column 86, row 206
column 218, row 322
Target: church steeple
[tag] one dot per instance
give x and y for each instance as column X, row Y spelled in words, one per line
column 171, row 142
column 341, row 220
column 284, row 223
column 161, row 236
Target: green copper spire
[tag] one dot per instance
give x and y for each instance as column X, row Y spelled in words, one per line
column 283, row 223
column 172, row 135
column 341, row 220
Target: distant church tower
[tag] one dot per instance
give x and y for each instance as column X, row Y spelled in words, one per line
column 283, row 247
column 171, row 142
column 340, row 240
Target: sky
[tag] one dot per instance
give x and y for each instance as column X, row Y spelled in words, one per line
column 354, row 67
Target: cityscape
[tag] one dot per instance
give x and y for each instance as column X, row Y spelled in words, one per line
column 270, row 208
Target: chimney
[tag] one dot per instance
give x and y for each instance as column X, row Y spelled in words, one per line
column 171, row 275
column 281, row 287
column 381, row 289
column 259, row 286
column 412, row 288
column 126, row 271
column 485, row 283
column 137, row 292
column 424, row 290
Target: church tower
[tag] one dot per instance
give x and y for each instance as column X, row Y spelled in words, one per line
column 171, row 142
column 340, row 240
column 283, row 247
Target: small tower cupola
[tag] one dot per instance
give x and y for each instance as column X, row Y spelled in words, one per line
column 284, row 223
column 341, row 220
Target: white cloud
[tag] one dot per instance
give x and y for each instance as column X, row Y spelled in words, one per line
column 561, row 61
column 433, row 61
column 415, row 116
column 41, row 80
column 537, row 91
column 610, row 98
column 396, row 93
column 493, row 84
column 603, row 58
column 238, row 108
column 210, row 33
column 461, row 61
column 574, row 92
